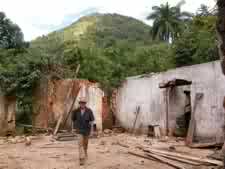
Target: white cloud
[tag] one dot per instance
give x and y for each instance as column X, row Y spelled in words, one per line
column 37, row 17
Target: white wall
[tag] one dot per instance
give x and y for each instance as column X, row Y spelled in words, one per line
column 144, row 91
column 94, row 97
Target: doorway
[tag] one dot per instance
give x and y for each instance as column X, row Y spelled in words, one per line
column 183, row 120
column 177, row 106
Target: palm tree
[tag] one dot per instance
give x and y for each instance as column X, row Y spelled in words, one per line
column 167, row 21
column 203, row 10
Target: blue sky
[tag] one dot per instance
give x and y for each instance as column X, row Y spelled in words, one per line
column 39, row 17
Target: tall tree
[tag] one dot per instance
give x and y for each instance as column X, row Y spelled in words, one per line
column 167, row 21
column 221, row 46
column 203, row 10
column 11, row 35
column 221, row 31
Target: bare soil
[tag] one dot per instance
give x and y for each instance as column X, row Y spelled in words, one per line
column 104, row 153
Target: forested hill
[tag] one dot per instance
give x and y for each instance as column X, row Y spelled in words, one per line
column 103, row 30
column 110, row 47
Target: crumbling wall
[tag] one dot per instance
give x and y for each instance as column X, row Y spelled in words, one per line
column 94, row 97
column 144, row 91
column 54, row 98
column 7, row 115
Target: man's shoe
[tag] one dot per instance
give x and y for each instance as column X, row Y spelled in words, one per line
column 82, row 161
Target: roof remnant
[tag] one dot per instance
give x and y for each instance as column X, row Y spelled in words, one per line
column 175, row 82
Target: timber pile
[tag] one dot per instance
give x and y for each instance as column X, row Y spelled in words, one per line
column 172, row 159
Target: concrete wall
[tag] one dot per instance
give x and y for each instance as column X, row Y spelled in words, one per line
column 144, row 91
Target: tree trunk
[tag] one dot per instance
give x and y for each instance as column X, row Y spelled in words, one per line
column 221, row 32
column 221, row 43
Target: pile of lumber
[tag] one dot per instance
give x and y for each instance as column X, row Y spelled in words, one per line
column 65, row 137
column 173, row 159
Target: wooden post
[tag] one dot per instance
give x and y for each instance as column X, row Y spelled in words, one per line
column 61, row 116
column 167, row 110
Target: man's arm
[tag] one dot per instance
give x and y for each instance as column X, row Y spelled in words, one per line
column 92, row 118
column 73, row 118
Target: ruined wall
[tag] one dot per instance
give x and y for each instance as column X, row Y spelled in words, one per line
column 54, row 98
column 94, row 97
column 144, row 91
column 7, row 115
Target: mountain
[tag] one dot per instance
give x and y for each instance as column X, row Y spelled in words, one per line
column 104, row 29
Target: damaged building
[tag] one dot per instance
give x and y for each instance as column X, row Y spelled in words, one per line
column 186, row 100
column 54, row 98
column 7, row 114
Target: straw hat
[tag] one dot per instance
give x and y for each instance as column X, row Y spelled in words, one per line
column 82, row 100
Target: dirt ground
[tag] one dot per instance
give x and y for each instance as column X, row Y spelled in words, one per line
column 104, row 153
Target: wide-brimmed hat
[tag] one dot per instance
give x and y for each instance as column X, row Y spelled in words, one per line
column 82, row 100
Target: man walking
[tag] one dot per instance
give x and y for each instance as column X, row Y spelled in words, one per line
column 82, row 119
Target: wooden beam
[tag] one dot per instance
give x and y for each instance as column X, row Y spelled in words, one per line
column 61, row 116
column 196, row 159
column 166, row 161
column 178, row 159
column 192, row 124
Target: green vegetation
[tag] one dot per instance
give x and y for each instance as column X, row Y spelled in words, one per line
column 109, row 47
column 168, row 21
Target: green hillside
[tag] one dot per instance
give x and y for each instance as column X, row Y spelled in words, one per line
column 104, row 29
column 109, row 47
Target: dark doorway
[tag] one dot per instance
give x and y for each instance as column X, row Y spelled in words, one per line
column 183, row 121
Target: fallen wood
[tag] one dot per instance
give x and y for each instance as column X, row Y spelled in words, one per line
column 166, row 161
column 67, row 115
column 58, row 124
column 122, row 145
column 140, row 155
column 34, row 127
column 178, row 159
column 187, row 157
column 66, row 138
column 205, row 145
column 57, row 147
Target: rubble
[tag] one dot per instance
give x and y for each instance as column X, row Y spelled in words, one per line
column 27, row 141
column 127, row 151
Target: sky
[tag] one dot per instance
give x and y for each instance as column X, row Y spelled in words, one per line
column 40, row 17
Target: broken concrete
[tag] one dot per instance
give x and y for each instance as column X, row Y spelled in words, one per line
column 104, row 153
column 144, row 91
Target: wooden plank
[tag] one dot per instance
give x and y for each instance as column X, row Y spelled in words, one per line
column 196, row 159
column 205, row 145
column 178, row 159
column 61, row 116
column 75, row 97
column 166, row 161
column 141, row 155
column 137, row 112
column 34, row 127
column 122, row 145
column 58, row 124
column 192, row 124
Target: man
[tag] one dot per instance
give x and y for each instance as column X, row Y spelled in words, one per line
column 83, row 119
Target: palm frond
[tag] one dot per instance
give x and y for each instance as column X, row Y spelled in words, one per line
column 181, row 3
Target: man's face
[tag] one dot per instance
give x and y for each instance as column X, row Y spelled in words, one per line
column 82, row 105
